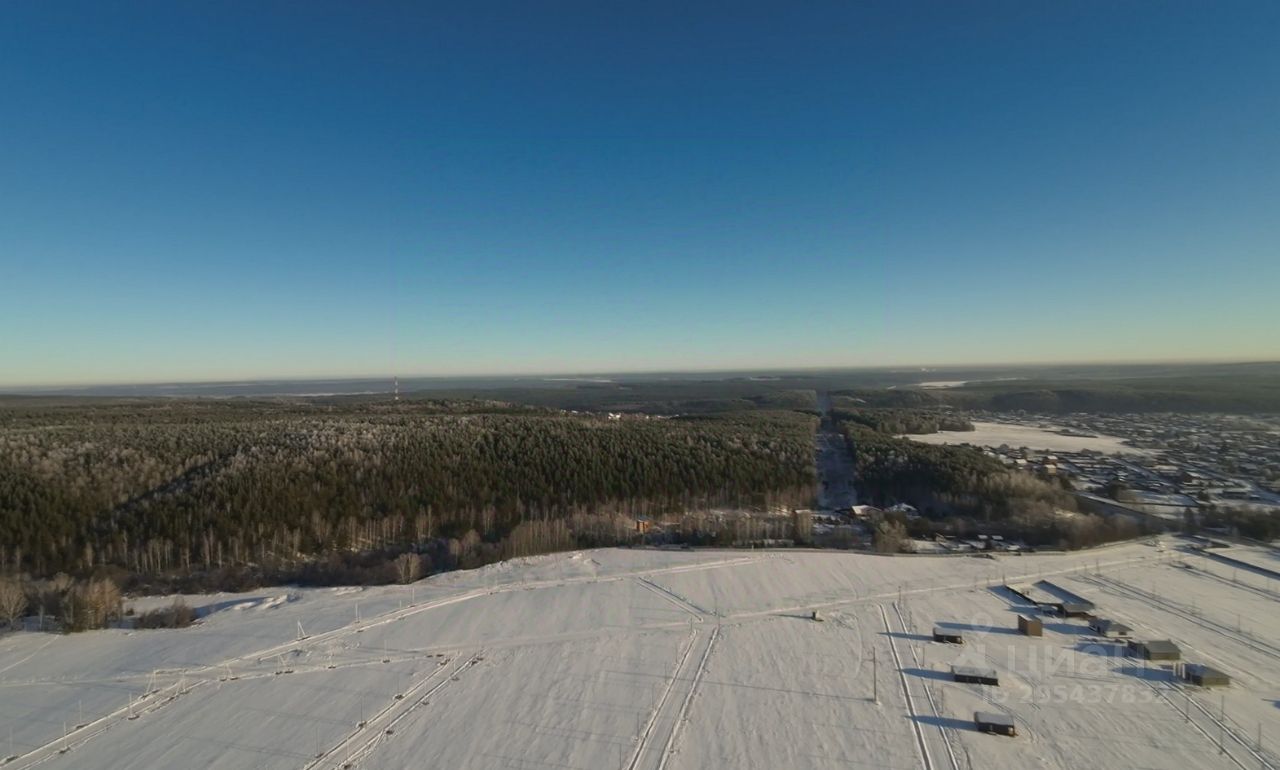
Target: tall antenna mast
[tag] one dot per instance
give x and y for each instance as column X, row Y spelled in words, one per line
column 397, row 387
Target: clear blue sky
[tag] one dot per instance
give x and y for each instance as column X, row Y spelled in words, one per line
column 195, row 191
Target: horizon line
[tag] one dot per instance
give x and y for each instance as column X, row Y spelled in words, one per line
column 23, row 389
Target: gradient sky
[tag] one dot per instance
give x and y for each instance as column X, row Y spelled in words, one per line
column 227, row 190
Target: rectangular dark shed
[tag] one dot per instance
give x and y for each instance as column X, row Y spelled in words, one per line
column 986, row 722
column 1156, row 649
column 1110, row 628
column 950, row 636
column 1075, row 609
column 1030, row 626
column 970, row 675
column 1206, row 676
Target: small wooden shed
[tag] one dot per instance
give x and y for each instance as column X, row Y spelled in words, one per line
column 1205, row 676
column 1156, row 649
column 1110, row 628
column 997, row 724
column 970, row 675
column 947, row 635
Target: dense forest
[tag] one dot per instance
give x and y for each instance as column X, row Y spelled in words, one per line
column 196, row 493
column 909, row 421
column 1236, row 395
column 176, row 487
column 1238, row 389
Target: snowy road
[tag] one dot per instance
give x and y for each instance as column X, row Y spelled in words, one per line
column 834, row 463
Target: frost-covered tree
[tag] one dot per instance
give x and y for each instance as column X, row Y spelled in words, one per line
column 13, row 600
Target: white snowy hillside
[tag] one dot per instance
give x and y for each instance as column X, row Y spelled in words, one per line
column 645, row 659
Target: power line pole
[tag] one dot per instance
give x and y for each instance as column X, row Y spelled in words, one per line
column 875, row 677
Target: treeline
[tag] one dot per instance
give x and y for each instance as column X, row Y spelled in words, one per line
column 345, row 488
column 74, row 605
column 1245, row 391
column 1257, row 523
column 1244, row 394
column 959, row 492
column 896, row 422
column 1038, row 530
column 941, row 480
column 658, row 397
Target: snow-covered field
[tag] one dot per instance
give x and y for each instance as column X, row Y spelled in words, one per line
column 995, row 434
column 1257, row 556
column 667, row 659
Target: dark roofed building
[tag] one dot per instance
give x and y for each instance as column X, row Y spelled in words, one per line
column 970, row 675
column 1205, row 676
column 1156, row 649
column 948, row 635
column 986, row 722
column 1110, row 628
column 1074, row 609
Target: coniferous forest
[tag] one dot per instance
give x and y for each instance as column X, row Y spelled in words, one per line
column 182, row 487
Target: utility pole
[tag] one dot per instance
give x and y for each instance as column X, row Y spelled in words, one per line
column 875, row 677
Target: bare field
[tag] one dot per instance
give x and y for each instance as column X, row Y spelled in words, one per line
column 996, row 434
column 676, row 660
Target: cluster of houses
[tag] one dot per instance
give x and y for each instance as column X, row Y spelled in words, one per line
column 1052, row 600
column 1186, row 462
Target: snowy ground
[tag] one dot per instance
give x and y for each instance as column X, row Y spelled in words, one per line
column 995, row 434
column 1263, row 558
column 667, row 659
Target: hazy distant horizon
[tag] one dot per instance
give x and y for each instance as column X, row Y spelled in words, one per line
column 376, row 384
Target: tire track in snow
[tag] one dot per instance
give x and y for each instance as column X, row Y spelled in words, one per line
column 674, row 598
column 922, row 747
column 1258, row 645
column 382, row 725
column 640, row 758
column 78, row 737
column 1225, row 730
column 946, row 738
column 683, row 715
